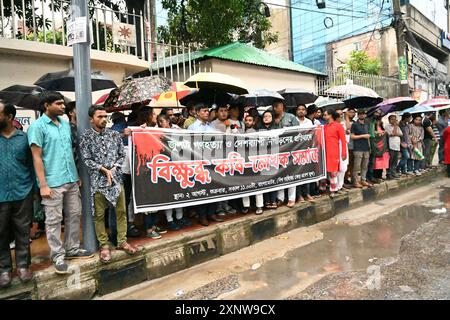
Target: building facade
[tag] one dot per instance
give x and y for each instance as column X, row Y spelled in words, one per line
column 313, row 28
column 427, row 48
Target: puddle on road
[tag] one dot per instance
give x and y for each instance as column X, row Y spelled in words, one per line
column 343, row 248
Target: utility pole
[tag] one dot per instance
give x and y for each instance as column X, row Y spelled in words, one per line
column 399, row 25
column 83, row 97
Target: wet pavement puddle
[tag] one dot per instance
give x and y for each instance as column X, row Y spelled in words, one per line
column 343, row 248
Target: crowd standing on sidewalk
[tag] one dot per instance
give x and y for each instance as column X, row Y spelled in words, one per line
column 42, row 164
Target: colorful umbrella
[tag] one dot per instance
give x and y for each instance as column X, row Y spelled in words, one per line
column 418, row 109
column 294, row 97
column 171, row 98
column 218, row 81
column 436, row 102
column 137, row 90
column 65, row 81
column 352, row 90
column 399, row 103
column 258, row 98
column 102, row 99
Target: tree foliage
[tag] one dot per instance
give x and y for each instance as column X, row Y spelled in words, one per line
column 211, row 23
column 360, row 62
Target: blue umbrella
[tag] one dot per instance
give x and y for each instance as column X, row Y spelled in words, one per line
column 418, row 109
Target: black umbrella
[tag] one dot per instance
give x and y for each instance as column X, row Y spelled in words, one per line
column 27, row 97
column 259, row 98
column 65, row 81
column 362, row 102
column 294, row 97
column 208, row 97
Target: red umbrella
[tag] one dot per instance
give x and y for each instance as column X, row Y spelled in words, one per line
column 102, row 99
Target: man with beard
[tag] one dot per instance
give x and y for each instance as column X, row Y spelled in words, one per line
column 16, row 197
column 51, row 147
column 284, row 120
column 103, row 153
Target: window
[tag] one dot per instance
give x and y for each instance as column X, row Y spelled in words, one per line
column 358, row 46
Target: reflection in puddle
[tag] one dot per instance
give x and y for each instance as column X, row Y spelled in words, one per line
column 343, row 248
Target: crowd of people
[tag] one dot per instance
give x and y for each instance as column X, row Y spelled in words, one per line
column 39, row 169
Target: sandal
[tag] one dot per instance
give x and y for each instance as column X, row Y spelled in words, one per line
column 128, row 248
column 105, row 255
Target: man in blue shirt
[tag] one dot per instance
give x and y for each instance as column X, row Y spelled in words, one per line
column 57, row 177
column 16, row 197
column 205, row 211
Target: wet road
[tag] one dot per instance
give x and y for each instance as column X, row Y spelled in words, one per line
column 335, row 259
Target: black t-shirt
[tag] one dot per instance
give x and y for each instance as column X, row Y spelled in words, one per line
column 427, row 123
column 361, row 145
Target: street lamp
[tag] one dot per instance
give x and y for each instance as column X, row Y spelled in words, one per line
column 321, row 4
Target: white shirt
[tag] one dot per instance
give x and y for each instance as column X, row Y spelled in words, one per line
column 394, row 142
column 306, row 123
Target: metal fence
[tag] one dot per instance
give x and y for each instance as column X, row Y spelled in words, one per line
column 386, row 87
column 46, row 21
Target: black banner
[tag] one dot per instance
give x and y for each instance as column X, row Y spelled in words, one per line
column 178, row 168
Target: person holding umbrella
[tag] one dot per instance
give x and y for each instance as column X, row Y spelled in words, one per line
column 284, row 120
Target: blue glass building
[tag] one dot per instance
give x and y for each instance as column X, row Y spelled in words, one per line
column 313, row 28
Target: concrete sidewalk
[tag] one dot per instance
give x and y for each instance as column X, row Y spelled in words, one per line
column 160, row 258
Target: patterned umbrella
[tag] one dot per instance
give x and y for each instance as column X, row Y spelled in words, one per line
column 352, row 90
column 138, row 90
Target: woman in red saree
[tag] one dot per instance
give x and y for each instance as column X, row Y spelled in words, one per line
column 335, row 146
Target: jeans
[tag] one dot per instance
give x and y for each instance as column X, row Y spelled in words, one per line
column 100, row 205
column 303, row 190
column 205, row 210
column 426, row 152
column 15, row 220
column 402, row 165
column 360, row 164
column 149, row 220
column 370, row 173
column 441, row 150
column 270, row 197
column 68, row 197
